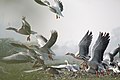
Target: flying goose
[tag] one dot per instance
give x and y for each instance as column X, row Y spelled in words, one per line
column 57, row 8
column 44, row 51
column 95, row 62
column 24, row 30
column 41, row 40
column 83, row 47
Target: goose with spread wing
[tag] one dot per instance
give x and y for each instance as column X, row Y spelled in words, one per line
column 83, row 47
column 24, row 30
column 41, row 40
column 95, row 62
column 45, row 50
column 57, row 8
column 30, row 55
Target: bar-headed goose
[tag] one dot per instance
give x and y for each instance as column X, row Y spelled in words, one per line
column 57, row 8
column 45, row 50
column 95, row 62
column 24, row 30
column 83, row 47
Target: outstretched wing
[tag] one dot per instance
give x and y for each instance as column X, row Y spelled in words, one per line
column 100, row 46
column 41, row 2
column 25, row 25
column 59, row 4
column 31, row 51
column 19, row 45
column 41, row 40
column 52, row 39
column 84, row 44
column 116, row 51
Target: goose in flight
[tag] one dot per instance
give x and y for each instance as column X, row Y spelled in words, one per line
column 45, row 50
column 95, row 62
column 84, row 44
column 41, row 2
column 30, row 55
column 57, row 8
column 24, row 30
column 41, row 40
column 112, row 55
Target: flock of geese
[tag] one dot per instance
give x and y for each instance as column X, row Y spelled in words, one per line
column 37, row 54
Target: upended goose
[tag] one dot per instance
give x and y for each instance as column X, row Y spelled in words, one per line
column 24, row 30
column 84, row 44
column 57, row 8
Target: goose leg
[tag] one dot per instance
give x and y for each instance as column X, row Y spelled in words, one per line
column 102, row 72
column 28, row 38
column 108, row 71
column 50, row 56
column 57, row 16
column 97, row 74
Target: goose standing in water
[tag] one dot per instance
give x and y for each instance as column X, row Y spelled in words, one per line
column 24, row 30
column 84, row 44
column 57, row 8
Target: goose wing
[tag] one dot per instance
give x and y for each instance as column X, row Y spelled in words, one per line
column 59, row 3
column 33, row 70
column 41, row 2
column 26, row 26
column 31, row 51
column 116, row 51
column 100, row 46
column 52, row 39
column 84, row 44
column 41, row 40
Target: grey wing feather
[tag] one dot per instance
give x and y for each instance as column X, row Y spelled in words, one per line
column 26, row 26
column 116, row 51
column 19, row 45
column 100, row 46
column 40, row 2
column 52, row 40
column 43, row 38
column 60, row 5
column 84, row 44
